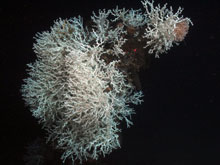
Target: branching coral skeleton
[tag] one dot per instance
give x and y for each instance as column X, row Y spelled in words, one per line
column 85, row 76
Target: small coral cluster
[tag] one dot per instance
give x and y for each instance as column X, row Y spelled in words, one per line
column 83, row 80
column 164, row 27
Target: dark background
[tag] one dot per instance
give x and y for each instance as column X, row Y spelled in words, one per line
column 177, row 124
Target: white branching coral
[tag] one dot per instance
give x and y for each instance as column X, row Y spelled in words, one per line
column 164, row 27
column 67, row 91
column 81, row 84
column 133, row 18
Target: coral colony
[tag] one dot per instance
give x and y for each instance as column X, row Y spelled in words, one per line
column 85, row 76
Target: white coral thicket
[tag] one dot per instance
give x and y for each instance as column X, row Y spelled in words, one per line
column 66, row 91
column 80, row 97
